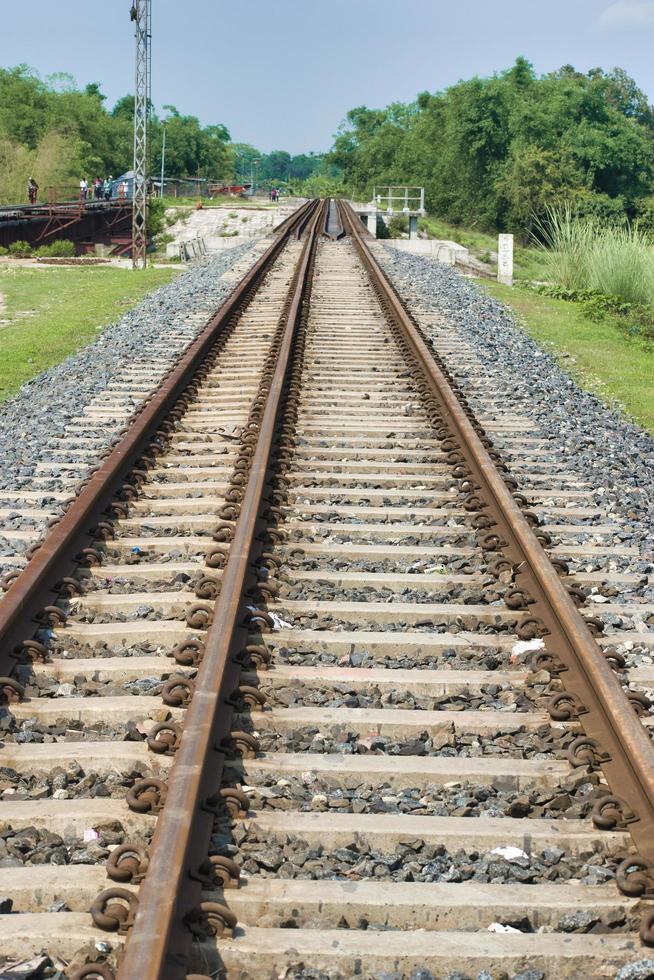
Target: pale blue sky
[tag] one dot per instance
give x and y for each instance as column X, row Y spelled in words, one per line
column 282, row 73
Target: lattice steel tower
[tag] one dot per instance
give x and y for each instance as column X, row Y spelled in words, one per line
column 140, row 13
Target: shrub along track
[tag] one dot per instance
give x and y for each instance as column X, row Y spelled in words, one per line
column 365, row 733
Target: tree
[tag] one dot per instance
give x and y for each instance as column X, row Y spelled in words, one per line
column 495, row 152
column 275, row 165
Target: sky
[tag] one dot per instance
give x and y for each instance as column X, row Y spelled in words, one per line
column 283, row 74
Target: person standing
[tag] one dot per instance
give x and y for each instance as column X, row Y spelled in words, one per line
column 83, row 189
column 32, row 190
column 107, row 188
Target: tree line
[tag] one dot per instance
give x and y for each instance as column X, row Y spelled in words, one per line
column 493, row 152
column 497, row 152
column 57, row 132
column 278, row 166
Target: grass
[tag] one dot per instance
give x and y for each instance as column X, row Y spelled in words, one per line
column 51, row 313
column 478, row 240
column 529, row 263
column 597, row 355
column 581, row 253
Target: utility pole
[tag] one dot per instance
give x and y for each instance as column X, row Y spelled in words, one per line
column 140, row 13
column 163, row 156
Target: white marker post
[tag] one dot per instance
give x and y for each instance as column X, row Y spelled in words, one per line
column 505, row 259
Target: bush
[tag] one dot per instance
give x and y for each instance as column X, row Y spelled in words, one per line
column 57, row 250
column 20, row 250
column 645, row 215
column 382, row 228
column 3, row 250
column 398, row 225
column 598, row 207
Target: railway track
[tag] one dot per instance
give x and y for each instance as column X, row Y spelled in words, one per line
column 315, row 698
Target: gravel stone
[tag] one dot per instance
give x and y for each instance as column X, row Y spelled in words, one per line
column 642, row 970
column 594, row 441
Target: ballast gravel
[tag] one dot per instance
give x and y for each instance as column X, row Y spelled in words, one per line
column 311, row 793
column 593, row 441
column 513, row 742
column 283, row 855
column 33, row 422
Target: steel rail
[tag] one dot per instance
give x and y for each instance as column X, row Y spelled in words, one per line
column 597, row 699
column 34, row 588
column 160, row 940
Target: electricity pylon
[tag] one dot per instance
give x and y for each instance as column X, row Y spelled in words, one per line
column 140, row 13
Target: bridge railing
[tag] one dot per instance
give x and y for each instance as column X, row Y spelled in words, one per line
column 70, row 193
column 58, row 193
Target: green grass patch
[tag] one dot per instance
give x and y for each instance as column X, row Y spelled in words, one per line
column 51, row 313
column 529, row 263
column 596, row 354
column 469, row 237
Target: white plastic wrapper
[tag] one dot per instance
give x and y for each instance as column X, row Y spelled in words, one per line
column 279, row 623
column 510, row 853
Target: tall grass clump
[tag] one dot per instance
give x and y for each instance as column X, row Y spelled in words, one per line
column 581, row 253
column 622, row 264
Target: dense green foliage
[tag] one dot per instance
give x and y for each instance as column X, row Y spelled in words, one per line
column 58, row 133
column 493, row 153
column 496, row 152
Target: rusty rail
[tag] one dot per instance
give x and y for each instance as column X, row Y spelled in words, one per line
column 593, row 696
column 35, row 587
column 170, row 911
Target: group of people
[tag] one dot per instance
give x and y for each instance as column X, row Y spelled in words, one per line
column 101, row 190
column 274, row 194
